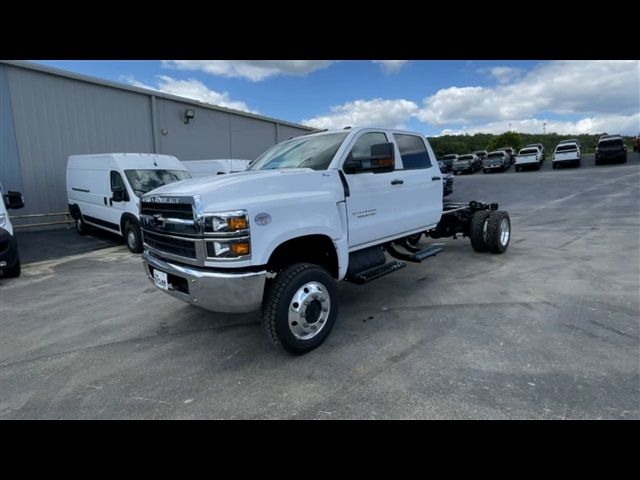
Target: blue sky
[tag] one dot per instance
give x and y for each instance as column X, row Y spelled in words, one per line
column 433, row 97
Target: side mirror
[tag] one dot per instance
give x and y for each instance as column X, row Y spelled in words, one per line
column 13, row 200
column 381, row 159
column 119, row 194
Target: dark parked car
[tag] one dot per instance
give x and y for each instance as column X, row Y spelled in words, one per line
column 467, row 163
column 482, row 154
column 446, row 162
column 611, row 148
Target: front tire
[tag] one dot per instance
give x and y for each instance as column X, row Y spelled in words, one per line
column 300, row 308
column 132, row 237
column 478, row 230
column 498, row 232
column 81, row 227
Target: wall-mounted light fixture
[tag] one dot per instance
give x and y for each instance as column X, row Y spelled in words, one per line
column 189, row 115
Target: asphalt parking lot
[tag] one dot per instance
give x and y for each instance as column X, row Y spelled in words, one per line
column 549, row 330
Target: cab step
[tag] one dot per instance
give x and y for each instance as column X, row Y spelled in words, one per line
column 416, row 257
column 377, row 272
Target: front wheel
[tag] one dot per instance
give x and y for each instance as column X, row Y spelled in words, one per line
column 300, row 308
column 81, row 227
column 132, row 237
column 498, row 232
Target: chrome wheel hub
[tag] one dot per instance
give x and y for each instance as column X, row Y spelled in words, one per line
column 309, row 310
column 505, row 231
column 131, row 239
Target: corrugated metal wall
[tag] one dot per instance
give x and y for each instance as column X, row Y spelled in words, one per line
column 51, row 117
column 10, row 174
column 56, row 117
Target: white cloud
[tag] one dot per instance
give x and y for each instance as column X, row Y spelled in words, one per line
column 254, row 70
column 624, row 124
column 563, row 87
column 391, row 66
column 194, row 89
column 377, row 112
column 501, row 73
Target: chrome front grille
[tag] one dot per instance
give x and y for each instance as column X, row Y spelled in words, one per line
column 182, row 247
column 173, row 227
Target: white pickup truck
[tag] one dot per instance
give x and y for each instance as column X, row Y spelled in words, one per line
column 310, row 211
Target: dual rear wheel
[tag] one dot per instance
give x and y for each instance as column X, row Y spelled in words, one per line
column 490, row 231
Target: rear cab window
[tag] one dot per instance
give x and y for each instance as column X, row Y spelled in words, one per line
column 567, row 148
column 413, row 151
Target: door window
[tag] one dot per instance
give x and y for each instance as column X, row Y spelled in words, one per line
column 412, row 151
column 362, row 147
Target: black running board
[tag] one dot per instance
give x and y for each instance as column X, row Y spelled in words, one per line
column 416, row 257
column 376, row 272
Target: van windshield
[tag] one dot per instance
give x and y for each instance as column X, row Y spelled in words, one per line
column 314, row 152
column 143, row 181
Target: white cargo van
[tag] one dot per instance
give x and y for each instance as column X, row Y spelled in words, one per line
column 103, row 190
column 208, row 168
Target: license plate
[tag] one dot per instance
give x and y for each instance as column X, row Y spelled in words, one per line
column 160, row 279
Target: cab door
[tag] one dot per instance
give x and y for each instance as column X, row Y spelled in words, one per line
column 371, row 204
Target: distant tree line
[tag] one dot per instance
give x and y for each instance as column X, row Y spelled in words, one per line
column 461, row 144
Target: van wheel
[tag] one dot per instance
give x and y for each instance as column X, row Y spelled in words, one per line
column 132, row 237
column 300, row 308
column 478, row 232
column 498, row 232
column 81, row 227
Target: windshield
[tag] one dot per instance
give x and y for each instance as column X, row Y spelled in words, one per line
column 465, row 157
column 143, row 181
column 566, row 148
column 528, row 151
column 303, row 152
column 495, row 155
column 449, row 157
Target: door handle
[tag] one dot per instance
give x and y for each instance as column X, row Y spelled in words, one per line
column 397, row 182
column 436, row 178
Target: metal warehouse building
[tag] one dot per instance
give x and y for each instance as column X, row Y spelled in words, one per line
column 48, row 114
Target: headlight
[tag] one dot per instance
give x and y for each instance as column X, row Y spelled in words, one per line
column 226, row 222
column 3, row 219
column 233, row 248
column 227, row 235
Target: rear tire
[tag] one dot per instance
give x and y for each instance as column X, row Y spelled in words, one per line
column 517, row 168
column 477, row 230
column 291, row 326
column 498, row 232
column 132, row 237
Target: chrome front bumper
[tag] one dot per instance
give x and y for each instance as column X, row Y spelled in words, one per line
column 217, row 291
